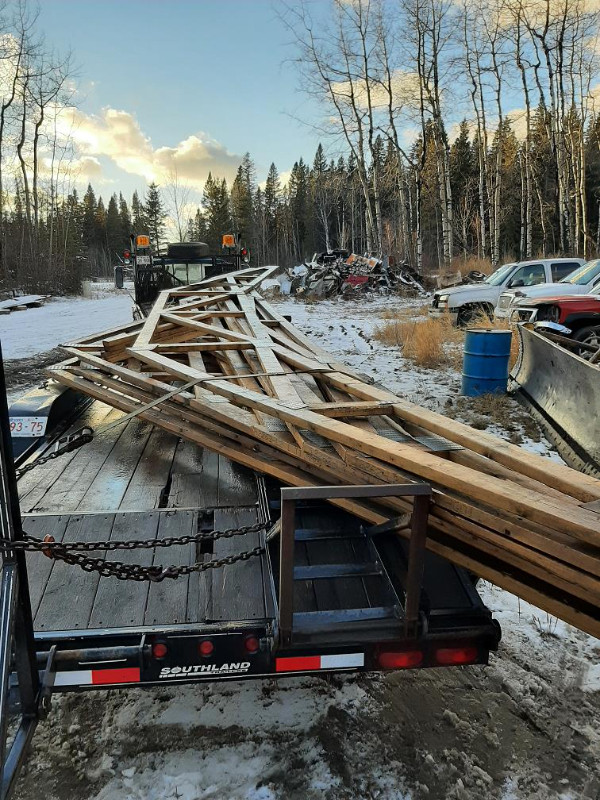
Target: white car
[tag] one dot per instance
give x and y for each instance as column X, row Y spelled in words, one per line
column 463, row 303
column 580, row 281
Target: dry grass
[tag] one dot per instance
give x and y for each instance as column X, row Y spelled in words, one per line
column 480, row 411
column 406, row 314
column 466, row 265
column 422, row 341
column 433, row 341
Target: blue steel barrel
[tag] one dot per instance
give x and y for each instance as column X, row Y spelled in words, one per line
column 485, row 362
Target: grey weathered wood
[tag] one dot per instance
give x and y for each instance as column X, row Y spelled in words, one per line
column 109, row 485
column 237, row 590
column 34, row 485
column 236, row 485
column 210, row 477
column 122, row 603
column 151, row 473
column 168, row 600
column 70, row 592
column 39, row 566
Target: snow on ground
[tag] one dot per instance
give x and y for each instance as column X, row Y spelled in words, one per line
column 525, row 727
column 27, row 333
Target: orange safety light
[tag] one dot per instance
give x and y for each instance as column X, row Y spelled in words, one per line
column 228, row 240
column 142, row 241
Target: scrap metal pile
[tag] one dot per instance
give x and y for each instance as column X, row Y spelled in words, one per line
column 254, row 388
column 342, row 273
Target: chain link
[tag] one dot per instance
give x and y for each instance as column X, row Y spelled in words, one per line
column 65, row 445
column 72, row 553
column 156, row 574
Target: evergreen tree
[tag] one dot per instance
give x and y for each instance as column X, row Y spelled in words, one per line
column 155, row 214
column 242, row 212
column 125, row 221
column 89, row 217
column 138, row 219
column 114, row 231
column 216, row 209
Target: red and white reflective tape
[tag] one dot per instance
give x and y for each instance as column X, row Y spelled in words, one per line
column 97, row 677
column 310, row 663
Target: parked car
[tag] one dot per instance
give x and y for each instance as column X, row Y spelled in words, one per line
column 463, row 303
column 579, row 313
column 580, row 281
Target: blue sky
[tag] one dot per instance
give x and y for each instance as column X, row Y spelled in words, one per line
column 211, row 70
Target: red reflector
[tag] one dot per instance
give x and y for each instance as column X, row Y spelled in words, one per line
column 160, row 650
column 298, row 663
column 404, row 660
column 456, row 655
column 125, row 675
column 252, row 644
column 206, row 647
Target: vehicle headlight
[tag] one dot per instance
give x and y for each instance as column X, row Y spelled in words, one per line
column 505, row 300
column 443, row 299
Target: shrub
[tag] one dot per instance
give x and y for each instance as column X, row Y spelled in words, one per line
column 423, row 341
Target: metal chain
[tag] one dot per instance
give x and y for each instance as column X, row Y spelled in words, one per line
column 64, row 445
column 48, row 545
column 71, row 553
column 156, row 574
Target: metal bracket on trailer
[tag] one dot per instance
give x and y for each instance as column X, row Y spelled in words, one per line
column 421, row 493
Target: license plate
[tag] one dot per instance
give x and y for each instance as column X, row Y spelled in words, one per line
column 30, row 427
column 143, row 261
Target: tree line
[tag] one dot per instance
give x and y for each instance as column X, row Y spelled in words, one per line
column 400, row 173
column 382, row 67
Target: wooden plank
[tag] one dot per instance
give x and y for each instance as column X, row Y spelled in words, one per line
column 150, row 477
column 167, row 601
column 39, row 566
column 108, row 487
column 237, row 589
column 490, row 490
column 65, row 487
column 34, row 485
column 236, row 485
column 70, row 592
column 145, row 335
column 123, row 603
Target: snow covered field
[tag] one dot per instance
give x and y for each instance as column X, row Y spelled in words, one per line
column 27, row 333
column 524, row 727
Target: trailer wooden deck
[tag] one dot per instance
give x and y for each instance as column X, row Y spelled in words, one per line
column 138, row 482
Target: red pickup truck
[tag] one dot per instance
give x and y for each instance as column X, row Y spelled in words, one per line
column 580, row 313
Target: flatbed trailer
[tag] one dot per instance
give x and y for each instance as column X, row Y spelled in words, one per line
column 316, row 590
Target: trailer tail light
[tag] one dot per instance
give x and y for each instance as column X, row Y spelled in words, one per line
column 400, row 659
column 452, row 656
column 251, row 644
column 206, row 648
column 159, row 650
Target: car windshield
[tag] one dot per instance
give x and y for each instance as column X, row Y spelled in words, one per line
column 498, row 277
column 584, row 274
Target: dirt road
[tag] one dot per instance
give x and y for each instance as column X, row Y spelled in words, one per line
column 511, row 730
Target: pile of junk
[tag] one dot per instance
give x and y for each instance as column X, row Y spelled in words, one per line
column 339, row 272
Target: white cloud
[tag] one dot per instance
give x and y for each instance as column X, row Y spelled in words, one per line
column 117, row 135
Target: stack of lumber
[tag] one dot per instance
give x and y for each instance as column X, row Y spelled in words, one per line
column 267, row 397
column 22, row 303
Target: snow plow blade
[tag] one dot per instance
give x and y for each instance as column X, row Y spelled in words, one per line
column 563, row 392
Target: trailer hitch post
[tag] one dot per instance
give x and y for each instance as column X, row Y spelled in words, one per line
column 16, row 634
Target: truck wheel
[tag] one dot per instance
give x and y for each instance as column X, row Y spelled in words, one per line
column 187, row 250
column 589, row 335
